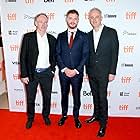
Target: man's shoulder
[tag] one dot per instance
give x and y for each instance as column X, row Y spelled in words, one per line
column 29, row 34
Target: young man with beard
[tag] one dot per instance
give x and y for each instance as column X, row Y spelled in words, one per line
column 71, row 54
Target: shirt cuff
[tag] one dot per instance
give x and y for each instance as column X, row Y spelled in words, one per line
column 77, row 72
column 63, row 69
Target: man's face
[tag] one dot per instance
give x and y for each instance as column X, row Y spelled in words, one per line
column 41, row 23
column 72, row 20
column 95, row 18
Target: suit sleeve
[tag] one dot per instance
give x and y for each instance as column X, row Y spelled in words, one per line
column 58, row 53
column 85, row 53
column 23, row 57
column 115, row 52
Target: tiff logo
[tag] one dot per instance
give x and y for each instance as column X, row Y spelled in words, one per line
column 53, row 105
column 14, row 47
column 29, row 1
column 130, row 15
column 123, row 107
column 51, row 16
column 48, row 0
column 16, row 76
column 19, row 102
column 108, row 93
column 126, row 80
column 68, row 1
column 139, row 94
column 11, row 16
column 128, row 49
column 87, row 106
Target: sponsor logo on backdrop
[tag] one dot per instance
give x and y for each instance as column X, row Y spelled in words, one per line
column 14, row 47
column 138, row 108
column 86, row 93
column 129, row 33
column 54, row 92
column 109, row 93
column 51, row 15
column 131, row 15
column 139, row 94
column 126, row 65
column 28, row 16
column 69, row 1
column 15, row 62
column 89, row 0
column 124, row 93
column 86, row 15
column 53, row 105
column 110, row 1
column 128, row 49
column 10, row 0
column 19, row 102
column 88, row 106
column 37, row 104
column 49, row 1
column 18, row 89
column 12, row 32
column 126, row 79
column 16, row 76
column 11, row 16
column 110, row 16
column 123, row 107
column 29, row 1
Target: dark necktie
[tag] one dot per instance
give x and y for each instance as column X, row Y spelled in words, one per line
column 71, row 40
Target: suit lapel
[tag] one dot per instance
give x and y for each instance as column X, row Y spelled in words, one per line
column 35, row 41
column 91, row 40
column 101, row 39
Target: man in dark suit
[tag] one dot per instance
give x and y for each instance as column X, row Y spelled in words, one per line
column 37, row 61
column 101, row 66
column 71, row 53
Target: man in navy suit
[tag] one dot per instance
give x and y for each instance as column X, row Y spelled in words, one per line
column 37, row 61
column 101, row 66
column 71, row 55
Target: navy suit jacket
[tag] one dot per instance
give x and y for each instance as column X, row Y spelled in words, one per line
column 75, row 57
column 104, row 60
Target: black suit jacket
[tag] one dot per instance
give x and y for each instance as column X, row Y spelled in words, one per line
column 104, row 60
column 29, row 54
column 76, row 57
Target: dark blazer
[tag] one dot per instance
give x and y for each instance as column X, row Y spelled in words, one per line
column 76, row 57
column 104, row 60
column 29, row 54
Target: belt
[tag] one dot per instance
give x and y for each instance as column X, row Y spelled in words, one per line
column 39, row 70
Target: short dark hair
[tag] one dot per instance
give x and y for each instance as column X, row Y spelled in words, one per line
column 73, row 11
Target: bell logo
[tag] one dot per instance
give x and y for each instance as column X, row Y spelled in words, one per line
column 123, row 107
column 14, row 48
column 16, row 76
column 19, row 102
column 87, row 106
column 128, row 49
column 11, row 16
column 68, row 1
column 29, row 1
column 130, row 15
column 126, row 80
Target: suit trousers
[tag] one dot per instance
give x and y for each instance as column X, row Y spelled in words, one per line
column 98, row 85
column 44, row 79
column 76, row 84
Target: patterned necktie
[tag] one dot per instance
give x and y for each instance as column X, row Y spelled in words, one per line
column 71, row 40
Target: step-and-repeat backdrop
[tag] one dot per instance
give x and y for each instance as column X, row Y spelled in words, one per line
column 123, row 15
